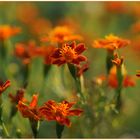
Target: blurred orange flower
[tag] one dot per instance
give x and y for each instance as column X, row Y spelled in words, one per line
column 128, row 81
column 4, row 86
column 134, row 10
column 69, row 53
column 99, row 80
column 40, row 26
column 27, row 12
column 135, row 28
column 18, row 97
column 7, row 31
column 45, row 52
column 111, row 42
column 59, row 111
column 27, row 51
column 115, row 6
column 61, row 34
column 29, row 111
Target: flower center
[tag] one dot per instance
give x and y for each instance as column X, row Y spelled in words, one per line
column 68, row 53
column 62, row 109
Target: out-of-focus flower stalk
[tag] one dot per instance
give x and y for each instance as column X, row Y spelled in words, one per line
column 2, row 124
column 119, row 88
column 26, row 70
column 79, row 82
column 3, row 59
column 109, row 57
column 119, row 65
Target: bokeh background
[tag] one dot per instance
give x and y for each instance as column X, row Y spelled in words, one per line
column 92, row 20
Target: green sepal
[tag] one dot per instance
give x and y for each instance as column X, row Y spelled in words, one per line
column 59, row 130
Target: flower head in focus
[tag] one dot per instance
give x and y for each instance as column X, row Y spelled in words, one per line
column 69, row 53
column 59, row 111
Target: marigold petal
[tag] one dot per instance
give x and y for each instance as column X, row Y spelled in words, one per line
column 81, row 58
column 69, row 104
column 56, row 54
column 34, row 101
column 80, row 48
column 75, row 112
column 63, row 121
column 4, row 86
column 59, row 62
column 72, row 45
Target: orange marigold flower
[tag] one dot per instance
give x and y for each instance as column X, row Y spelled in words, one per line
column 29, row 111
column 26, row 51
column 7, row 31
column 61, row 34
column 59, row 111
column 69, row 53
column 111, row 42
column 4, row 86
column 18, row 97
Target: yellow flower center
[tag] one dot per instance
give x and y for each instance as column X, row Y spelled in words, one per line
column 62, row 109
column 68, row 53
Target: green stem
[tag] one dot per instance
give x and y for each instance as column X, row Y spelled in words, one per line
column 59, row 130
column 35, row 127
column 1, row 120
column 4, row 129
column 79, row 81
column 108, row 60
column 80, row 87
column 119, row 88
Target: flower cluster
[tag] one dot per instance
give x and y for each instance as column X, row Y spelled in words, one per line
column 50, row 111
column 54, row 57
